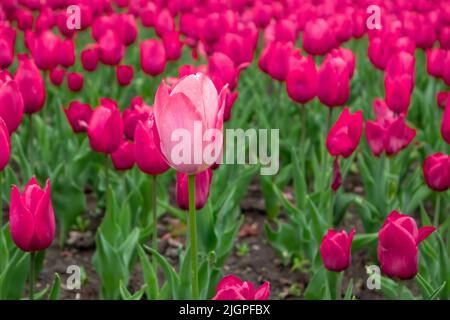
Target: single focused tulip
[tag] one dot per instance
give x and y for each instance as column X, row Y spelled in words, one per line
column 57, row 76
column 202, row 186
column 301, row 81
column 111, row 48
column 333, row 86
column 124, row 75
column 89, row 58
column 233, row 288
column 153, row 57
column 190, row 106
column 11, row 103
column 398, row 242
column 344, row 136
column 31, row 217
column 335, row 250
column 172, row 45
column 318, row 37
column 445, row 126
column 78, row 115
column 31, row 84
column 75, row 81
column 123, row 158
column 5, row 145
column 436, row 170
column 149, row 157
column 105, row 129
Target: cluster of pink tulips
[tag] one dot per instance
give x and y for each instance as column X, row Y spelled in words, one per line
column 358, row 90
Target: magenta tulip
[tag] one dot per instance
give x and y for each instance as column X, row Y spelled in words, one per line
column 89, row 58
column 436, row 170
column 124, row 75
column 233, row 288
column 11, row 102
column 153, row 57
column 57, row 76
column 45, row 51
column 78, row 115
column 202, row 186
column 445, row 126
column 7, row 43
column 66, row 52
column 399, row 239
column 173, row 46
column 301, row 81
column 31, row 217
column 335, row 250
column 333, row 86
column 138, row 111
column 123, row 158
column 105, row 129
column 75, row 81
column 5, row 145
column 344, row 136
column 318, row 37
column 111, row 49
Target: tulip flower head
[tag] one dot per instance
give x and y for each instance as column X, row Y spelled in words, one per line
column 445, row 126
column 333, row 87
column 189, row 111
column 398, row 243
column 78, row 115
column 344, row 136
column 436, row 170
column 123, row 158
column 5, row 145
column 335, row 250
column 233, row 288
column 202, row 186
column 11, row 102
column 31, row 217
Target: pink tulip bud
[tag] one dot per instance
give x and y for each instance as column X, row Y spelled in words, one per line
column 337, row 176
column 318, row 37
column 436, row 170
column 105, row 129
column 61, row 22
column 238, row 48
column 190, row 106
column 222, row 66
column 442, row 99
column 31, row 217
column 148, row 15
column 31, row 84
column 233, row 288
column 89, row 58
column 75, row 81
column 123, row 159
column 24, row 19
column 444, row 37
column 333, row 87
column 57, row 76
column 262, row 13
column 78, row 115
column 153, row 57
column 138, row 111
column 124, row 75
column 11, row 102
column 126, row 24
column 348, row 56
column 399, row 239
column 301, row 81
column 46, row 52
column 148, row 153
column 335, row 250
column 202, row 186
column 172, row 45
column 111, row 49
column 275, row 59
column 66, row 53
column 399, row 82
column 7, row 43
column 164, row 23
column 5, row 145
column 445, row 126
column 46, row 20
column 344, row 136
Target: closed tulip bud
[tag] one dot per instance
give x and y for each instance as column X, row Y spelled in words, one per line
column 61, row 22
column 301, row 81
column 348, row 56
column 24, row 19
column 111, row 49
column 344, row 136
column 123, row 159
column 172, row 45
column 78, row 115
column 149, row 157
column 441, row 99
column 262, row 14
column 318, row 37
column 57, row 76
column 191, row 104
column 11, row 102
column 333, row 86
column 124, row 75
column 445, row 126
column 105, row 129
column 31, row 217
column 46, row 20
column 398, row 242
column 436, row 170
column 398, row 88
column 66, row 53
column 202, row 186
column 5, row 145
column 335, row 250
column 89, row 58
column 164, row 23
column 138, row 111
column 148, row 15
column 31, row 84
column 222, row 66
column 278, row 60
column 233, row 288
column 7, row 42
column 444, row 37
column 153, row 57
column 238, row 48
column 126, row 24
column 75, row 81
column 46, row 52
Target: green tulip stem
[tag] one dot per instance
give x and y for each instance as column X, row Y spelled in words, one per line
column 30, row 138
column 437, row 210
column 400, row 290
column 106, row 173
column 32, row 276
column 303, row 116
column 155, row 220
column 193, row 237
column 335, row 284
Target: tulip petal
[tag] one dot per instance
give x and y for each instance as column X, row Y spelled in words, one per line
column 21, row 221
column 425, row 232
column 263, row 292
column 228, row 294
column 45, row 219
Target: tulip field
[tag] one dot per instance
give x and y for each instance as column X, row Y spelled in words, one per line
column 224, row 149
